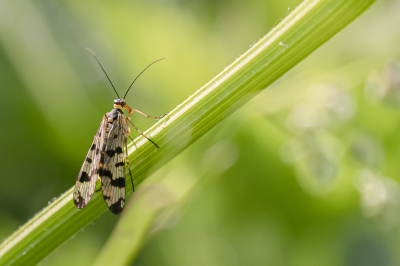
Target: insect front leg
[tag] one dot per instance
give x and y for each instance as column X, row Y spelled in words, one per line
column 148, row 116
column 129, row 110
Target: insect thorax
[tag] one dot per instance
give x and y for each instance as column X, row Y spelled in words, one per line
column 113, row 115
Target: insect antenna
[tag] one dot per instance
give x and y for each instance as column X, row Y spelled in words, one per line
column 104, row 72
column 139, row 75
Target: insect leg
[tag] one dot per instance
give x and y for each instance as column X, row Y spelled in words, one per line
column 130, row 111
column 140, row 132
column 127, row 161
column 148, row 116
column 128, row 132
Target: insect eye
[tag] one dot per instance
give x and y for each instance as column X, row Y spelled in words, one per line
column 119, row 102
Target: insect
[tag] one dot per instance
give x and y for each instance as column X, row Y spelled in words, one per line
column 106, row 158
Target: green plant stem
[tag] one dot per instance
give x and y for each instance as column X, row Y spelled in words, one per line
column 305, row 29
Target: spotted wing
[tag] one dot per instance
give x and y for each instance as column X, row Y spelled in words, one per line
column 112, row 175
column 87, row 178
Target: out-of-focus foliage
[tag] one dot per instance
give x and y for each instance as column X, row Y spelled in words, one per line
column 307, row 173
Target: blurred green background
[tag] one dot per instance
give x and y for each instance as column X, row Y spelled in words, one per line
column 307, row 173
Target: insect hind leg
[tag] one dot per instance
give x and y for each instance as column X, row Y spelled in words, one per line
column 127, row 161
column 140, row 132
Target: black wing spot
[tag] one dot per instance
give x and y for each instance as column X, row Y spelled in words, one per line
column 93, row 147
column 115, row 136
column 106, row 173
column 119, row 182
column 88, row 160
column 78, row 200
column 119, row 164
column 84, row 177
column 110, row 153
column 117, row 207
column 97, row 151
column 118, row 150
